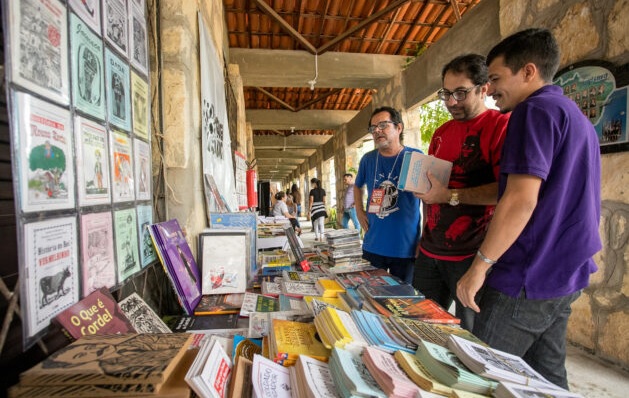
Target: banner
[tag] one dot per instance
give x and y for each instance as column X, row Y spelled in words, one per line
column 215, row 141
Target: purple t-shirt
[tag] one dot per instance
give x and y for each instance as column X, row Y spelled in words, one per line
column 550, row 138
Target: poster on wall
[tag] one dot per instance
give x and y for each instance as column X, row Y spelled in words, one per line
column 88, row 11
column 140, row 105
column 147, row 251
column 121, row 167
column 241, row 180
column 138, row 45
column 88, row 73
column 118, row 93
column 49, row 273
column 142, row 161
column 115, row 25
column 602, row 97
column 98, row 265
column 39, row 47
column 92, row 152
column 215, row 139
column 125, row 228
column 45, row 161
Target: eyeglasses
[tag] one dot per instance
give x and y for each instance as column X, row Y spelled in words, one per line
column 458, row 95
column 380, row 126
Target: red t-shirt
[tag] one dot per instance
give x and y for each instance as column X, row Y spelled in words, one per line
column 474, row 147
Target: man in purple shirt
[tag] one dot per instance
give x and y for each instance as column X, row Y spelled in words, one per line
column 544, row 232
column 349, row 209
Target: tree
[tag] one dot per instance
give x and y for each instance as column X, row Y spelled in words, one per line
column 431, row 115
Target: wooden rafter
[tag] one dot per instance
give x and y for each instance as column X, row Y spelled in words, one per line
column 455, row 8
column 317, row 99
column 407, row 36
column 275, row 98
column 286, row 26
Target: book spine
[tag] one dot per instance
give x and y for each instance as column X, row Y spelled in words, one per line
column 406, row 160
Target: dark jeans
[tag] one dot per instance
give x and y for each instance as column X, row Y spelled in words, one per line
column 400, row 267
column 532, row 329
column 437, row 279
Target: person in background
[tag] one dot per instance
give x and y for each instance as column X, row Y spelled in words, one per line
column 316, row 205
column 349, row 210
column 294, row 190
column 537, row 254
column 292, row 209
column 281, row 209
column 457, row 214
column 391, row 222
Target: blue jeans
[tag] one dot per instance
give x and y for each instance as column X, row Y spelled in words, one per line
column 437, row 279
column 350, row 213
column 532, row 329
column 400, row 267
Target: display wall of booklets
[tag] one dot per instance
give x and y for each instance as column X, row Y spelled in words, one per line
column 80, row 134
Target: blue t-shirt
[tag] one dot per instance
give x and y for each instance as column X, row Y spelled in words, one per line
column 396, row 232
column 549, row 137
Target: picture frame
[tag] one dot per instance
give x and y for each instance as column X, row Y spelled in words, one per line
column 224, row 260
column 601, row 90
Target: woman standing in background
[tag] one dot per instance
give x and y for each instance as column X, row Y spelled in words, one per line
column 317, row 208
column 294, row 190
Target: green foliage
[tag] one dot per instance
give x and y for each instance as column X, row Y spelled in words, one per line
column 431, row 115
column 47, row 157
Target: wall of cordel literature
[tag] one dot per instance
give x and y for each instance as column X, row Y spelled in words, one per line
column 81, row 151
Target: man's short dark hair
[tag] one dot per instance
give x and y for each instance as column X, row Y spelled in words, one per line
column 394, row 114
column 348, row 175
column 472, row 65
column 535, row 45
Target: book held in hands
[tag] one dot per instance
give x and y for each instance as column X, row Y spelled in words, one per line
column 415, row 168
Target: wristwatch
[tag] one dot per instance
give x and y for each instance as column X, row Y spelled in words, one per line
column 454, row 198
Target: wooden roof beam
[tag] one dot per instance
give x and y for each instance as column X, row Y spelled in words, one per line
column 285, row 25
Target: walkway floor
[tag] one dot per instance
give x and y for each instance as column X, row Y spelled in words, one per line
column 587, row 374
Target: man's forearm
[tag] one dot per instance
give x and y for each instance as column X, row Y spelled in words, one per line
column 481, row 195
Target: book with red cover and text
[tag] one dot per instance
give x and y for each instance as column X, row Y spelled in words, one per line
column 415, row 308
column 178, row 262
column 98, row 313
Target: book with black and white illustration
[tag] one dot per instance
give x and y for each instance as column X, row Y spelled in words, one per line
column 142, row 161
column 513, row 390
column 115, row 25
column 147, row 251
column 142, row 316
column 138, row 39
column 416, row 165
column 118, row 90
column 98, row 264
column 140, row 106
column 126, row 233
column 89, row 11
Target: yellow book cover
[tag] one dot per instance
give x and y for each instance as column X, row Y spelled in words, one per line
column 329, row 287
column 289, row 339
column 337, row 324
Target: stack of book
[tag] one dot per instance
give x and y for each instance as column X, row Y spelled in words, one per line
column 328, row 287
column 379, row 334
column 311, row 378
column 289, row 339
column 111, row 365
column 209, row 374
column 336, row 328
column 351, row 376
column 343, row 246
column 274, row 262
column 413, row 307
column 388, row 374
column 214, row 304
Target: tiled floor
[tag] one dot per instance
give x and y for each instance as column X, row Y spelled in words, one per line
column 587, row 375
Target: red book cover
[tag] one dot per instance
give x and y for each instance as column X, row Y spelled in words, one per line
column 417, row 308
column 96, row 314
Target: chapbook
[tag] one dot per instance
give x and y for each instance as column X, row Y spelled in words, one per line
column 388, row 374
column 98, row 313
column 416, row 165
column 351, row 376
column 202, row 324
column 270, row 379
column 178, row 261
column 142, row 316
column 289, row 339
column 210, row 372
column 219, row 304
column 416, row 308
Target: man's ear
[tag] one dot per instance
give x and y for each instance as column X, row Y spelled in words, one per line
column 530, row 72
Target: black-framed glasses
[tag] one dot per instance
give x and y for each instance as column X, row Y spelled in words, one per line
column 458, row 94
column 380, row 126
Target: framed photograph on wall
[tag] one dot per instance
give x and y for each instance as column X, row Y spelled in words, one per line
column 224, row 260
column 600, row 90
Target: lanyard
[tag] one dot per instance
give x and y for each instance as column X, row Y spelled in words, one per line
column 375, row 174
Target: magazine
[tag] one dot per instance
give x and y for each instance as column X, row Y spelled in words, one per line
column 89, row 11
column 125, row 228
column 118, row 92
column 140, row 106
column 142, row 161
column 46, row 153
column 115, row 24
column 98, row 265
column 50, row 272
column 145, row 218
column 92, row 151
column 88, row 73
column 39, row 47
column 121, row 166
column 141, row 316
column 138, row 42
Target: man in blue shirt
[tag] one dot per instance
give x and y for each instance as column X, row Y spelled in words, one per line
column 544, row 232
column 391, row 220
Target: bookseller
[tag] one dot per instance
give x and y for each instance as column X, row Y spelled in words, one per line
column 460, row 212
column 391, row 220
column 545, row 229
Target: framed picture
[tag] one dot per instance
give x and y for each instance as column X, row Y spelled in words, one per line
column 224, row 260
column 600, row 90
column 89, row 11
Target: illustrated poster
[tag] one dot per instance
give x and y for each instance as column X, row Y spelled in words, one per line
column 97, row 252
column 92, row 152
column 241, row 180
column 147, row 251
column 118, row 93
column 594, row 90
column 140, row 104
column 142, row 160
column 138, row 45
column 39, row 47
column 121, row 167
column 45, row 156
column 89, row 11
column 125, row 227
column 88, row 74
column 50, row 273
column 115, row 25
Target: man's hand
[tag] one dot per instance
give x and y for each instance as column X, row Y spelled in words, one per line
column 362, row 219
column 470, row 283
column 438, row 193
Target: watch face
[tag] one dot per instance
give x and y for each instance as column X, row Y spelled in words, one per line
column 454, row 199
